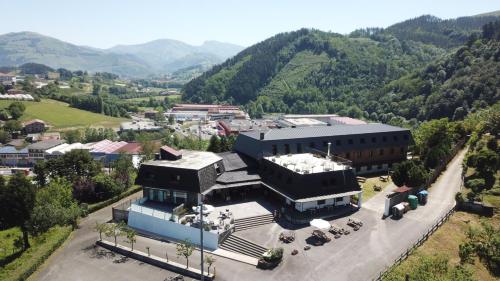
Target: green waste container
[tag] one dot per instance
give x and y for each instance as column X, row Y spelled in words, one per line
column 413, row 200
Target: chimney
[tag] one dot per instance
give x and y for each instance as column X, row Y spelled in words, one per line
column 262, row 135
column 328, row 153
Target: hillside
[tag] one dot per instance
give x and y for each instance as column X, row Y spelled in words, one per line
column 310, row 71
column 61, row 116
column 160, row 56
column 24, row 47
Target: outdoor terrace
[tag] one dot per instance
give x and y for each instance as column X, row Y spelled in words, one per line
column 307, row 163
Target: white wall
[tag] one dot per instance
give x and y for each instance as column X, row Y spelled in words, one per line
column 172, row 230
column 328, row 202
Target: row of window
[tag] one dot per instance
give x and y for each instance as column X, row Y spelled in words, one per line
column 337, row 143
column 371, row 153
column 370, row 167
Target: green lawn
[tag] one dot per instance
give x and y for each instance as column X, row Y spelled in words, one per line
column 20, row 266
column 445, row 242
column 368, row 191
column 61, row 116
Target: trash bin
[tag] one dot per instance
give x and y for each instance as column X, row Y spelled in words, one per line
column 422, row 197
column 398, row 211
column 413, row 200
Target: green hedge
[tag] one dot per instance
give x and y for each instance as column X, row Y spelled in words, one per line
column 97, row 206
column 29, row 261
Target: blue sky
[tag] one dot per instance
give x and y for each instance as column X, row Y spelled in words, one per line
column 105, row 23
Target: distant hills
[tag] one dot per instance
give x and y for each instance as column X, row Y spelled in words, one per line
column 310, row 71
column 155, row 57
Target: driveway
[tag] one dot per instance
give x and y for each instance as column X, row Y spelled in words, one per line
column 359, row 256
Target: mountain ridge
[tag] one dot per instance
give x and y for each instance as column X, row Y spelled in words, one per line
column 17, row 48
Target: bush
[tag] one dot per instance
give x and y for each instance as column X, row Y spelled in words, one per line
column 477, row 185
column 106, row 187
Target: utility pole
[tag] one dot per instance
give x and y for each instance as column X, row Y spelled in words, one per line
column 201, row 237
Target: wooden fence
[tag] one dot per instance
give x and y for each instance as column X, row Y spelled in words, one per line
column 415, row 245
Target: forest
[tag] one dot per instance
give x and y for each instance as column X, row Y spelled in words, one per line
column 375, row 74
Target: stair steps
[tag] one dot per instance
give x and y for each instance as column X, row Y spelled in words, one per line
column 252, row 222
column 242, row 246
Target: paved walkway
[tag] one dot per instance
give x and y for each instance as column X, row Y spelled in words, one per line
column 359, row 256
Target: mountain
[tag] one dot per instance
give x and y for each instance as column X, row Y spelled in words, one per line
column 310, row 71
column 159, row 56
column 170, row 55
column 23, row 47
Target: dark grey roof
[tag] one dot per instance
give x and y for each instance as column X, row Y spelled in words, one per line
column 238, row 176
column 46, row 144
column 234, row 161
column 323, row 131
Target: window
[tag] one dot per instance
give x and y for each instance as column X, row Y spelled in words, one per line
column 369, row 167
column 362, row 140
column 312, row 145
column 358, row 169
column 321, row 202
column 299, row 148
column 384, row 139
column 381, row 152
column 275, row 149
column 287, row 148
column 374, row 140
column 395, row 138
column 338, row 142
column 379, row 167
column 325, row 143
column 406, row 137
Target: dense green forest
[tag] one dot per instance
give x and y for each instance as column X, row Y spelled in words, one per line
column 404, row 72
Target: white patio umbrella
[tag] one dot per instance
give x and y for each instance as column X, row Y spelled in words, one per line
column 319, row 223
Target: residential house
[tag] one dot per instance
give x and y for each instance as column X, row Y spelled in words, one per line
column 13, row 157
column 34, row 126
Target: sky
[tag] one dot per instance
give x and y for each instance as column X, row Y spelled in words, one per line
column 105, row 23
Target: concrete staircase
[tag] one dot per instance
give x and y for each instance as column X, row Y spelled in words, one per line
column 251, row 222
column 242, row 246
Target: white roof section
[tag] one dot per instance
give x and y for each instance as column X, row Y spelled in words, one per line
column 330, row 196
column 307, row 163
column 65, row 147
column 304, row 122
column 191, row 159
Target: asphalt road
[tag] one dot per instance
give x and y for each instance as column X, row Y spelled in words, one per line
column 359, row 256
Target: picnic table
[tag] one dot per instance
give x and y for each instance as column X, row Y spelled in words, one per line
column 287, row 236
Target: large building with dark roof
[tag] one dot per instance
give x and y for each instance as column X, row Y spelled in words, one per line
column 371, row 147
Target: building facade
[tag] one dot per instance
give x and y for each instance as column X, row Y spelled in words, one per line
column 33, row 126
column 370, row 147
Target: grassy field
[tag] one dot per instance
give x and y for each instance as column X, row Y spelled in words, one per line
column 445, row 241
column 27, row 262
column 368, row 191
column 61, row 116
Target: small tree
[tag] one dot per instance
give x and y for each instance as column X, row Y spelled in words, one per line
column 209, row 260
column 101, row 228
column 114, row 230
column 185, row 249
column 131, row 236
